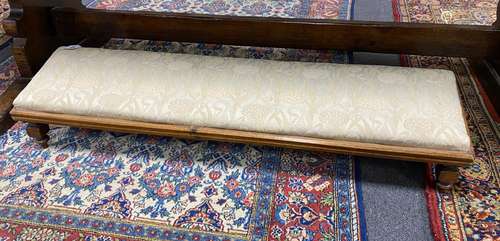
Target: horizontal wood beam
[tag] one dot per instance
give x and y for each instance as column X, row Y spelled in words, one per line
column 383, row 37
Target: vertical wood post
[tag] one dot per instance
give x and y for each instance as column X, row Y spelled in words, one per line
column 31, row 26
column 32, row 44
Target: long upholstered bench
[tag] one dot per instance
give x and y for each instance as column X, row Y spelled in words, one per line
column 380, row 111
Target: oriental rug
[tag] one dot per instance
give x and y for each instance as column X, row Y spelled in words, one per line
column 323, row 9
column 4, row 13
column 470, row 211
column 93, row 185
column 8, row 73
column 470, row 12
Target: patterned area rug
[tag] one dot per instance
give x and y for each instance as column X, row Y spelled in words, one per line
column 8, row 73
column 324, row 9
column 468, row 12
column 470, row 211
column 4, row 13
column 92, row 185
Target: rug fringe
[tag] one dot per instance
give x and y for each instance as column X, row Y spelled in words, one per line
column 432, row 205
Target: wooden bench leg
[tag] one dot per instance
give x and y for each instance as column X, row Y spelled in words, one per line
column 447, row 176
column 39, row 133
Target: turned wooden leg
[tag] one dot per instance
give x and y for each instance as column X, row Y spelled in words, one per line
column 39, row 133
column 447, row 176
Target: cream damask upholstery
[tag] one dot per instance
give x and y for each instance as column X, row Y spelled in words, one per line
column 373, row 104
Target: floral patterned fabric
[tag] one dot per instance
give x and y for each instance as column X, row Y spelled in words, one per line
column 470, row 210
column 139, row 186
column 282, row 54
column 94, row 185
column 4, row 13
column 371, row 103
column 469, row 12
column 322, row 9
column 8, row 73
